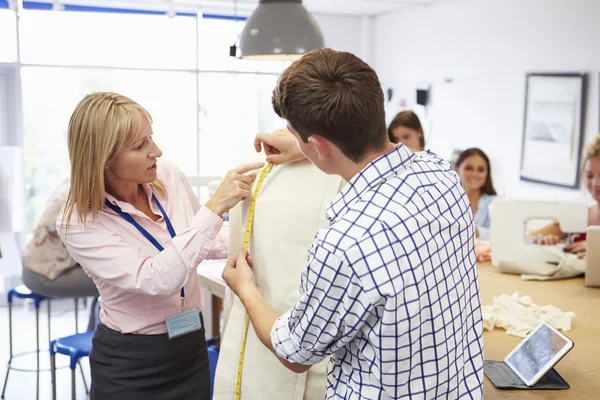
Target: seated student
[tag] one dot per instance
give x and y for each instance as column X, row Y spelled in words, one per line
column 552, row 234
column 290, row 208
column 406, row 128
column 48, row 268
column 473, row 167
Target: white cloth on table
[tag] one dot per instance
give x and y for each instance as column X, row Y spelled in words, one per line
column 520, row 315
column 568, row 266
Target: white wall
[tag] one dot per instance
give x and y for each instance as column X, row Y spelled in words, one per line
column 343, row 33
column 485, row 48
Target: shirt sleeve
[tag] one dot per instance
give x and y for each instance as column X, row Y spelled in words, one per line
column 221, row 243
column 106, row 255
column 220, row 248
column 332, row 309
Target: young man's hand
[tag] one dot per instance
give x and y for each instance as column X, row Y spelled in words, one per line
column 238, row 273
column 280, row 147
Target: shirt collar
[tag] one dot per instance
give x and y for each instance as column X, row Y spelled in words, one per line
column 128, row 208
column 376, row 172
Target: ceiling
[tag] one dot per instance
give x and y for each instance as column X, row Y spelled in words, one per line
column 245, row 7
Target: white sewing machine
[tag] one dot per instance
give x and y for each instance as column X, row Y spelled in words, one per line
column 509, row 217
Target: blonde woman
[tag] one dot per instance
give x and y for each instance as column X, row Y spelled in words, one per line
column 551, row 234
column 135, row 226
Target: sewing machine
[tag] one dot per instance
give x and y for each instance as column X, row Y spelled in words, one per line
column 509, row 217
column 592, row 272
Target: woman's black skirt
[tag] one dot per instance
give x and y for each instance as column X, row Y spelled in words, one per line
column 131, row 367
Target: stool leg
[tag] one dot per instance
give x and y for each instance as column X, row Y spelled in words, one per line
column 53, row 372
column 49, row 334
column 10, row 347
column 76, row 315
column 73, row 390
column 37, row 353
column 83, row 377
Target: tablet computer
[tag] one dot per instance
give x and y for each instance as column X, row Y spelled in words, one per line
column 538, row 353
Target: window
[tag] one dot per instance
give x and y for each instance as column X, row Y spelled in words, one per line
column 233, row 108
column 50, row 94
column 8, row 36
column 206, row 105
column 132, row 40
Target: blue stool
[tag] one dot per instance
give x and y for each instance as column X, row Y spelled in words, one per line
column 213, row 358
column 76, row 347
column 22, row 292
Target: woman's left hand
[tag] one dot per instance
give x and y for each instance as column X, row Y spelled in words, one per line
column 577, row 247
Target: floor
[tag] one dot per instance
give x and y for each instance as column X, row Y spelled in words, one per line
column 22, row 385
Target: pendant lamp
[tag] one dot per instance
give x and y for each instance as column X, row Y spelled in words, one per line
column 280, row 30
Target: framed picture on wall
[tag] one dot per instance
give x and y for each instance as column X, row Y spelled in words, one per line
column 553, row 129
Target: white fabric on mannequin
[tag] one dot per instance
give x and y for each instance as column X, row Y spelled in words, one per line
column 290, row 209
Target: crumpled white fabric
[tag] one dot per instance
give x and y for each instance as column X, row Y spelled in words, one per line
column 568, row 266
column 519, row 315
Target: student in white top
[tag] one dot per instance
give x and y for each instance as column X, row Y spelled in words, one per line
column 552, row 234
column 473, row 167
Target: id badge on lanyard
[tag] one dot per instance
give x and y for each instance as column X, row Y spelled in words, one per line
column 186, row 321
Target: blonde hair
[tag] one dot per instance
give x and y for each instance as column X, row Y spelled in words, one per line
column 100, row 125
column 591, row 150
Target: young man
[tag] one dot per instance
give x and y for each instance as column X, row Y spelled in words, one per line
column 390, row 288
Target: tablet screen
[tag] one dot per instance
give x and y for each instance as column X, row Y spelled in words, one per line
column 534, row 354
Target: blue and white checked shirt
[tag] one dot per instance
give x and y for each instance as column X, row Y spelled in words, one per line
column 391, row 288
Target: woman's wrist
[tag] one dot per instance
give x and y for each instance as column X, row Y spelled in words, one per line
column 215, row 207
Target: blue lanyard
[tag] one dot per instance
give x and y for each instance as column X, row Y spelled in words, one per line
column 143, row 231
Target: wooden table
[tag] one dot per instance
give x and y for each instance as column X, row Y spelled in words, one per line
column 581, row 367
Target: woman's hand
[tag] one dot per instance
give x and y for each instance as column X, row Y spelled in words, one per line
column 577, row 247
column 280, row 147
column 547, row 239
column 234, row 187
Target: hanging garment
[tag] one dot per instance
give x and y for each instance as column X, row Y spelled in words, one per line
column 290, row 209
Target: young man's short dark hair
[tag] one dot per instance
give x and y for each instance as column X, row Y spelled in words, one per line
column 336, row 95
